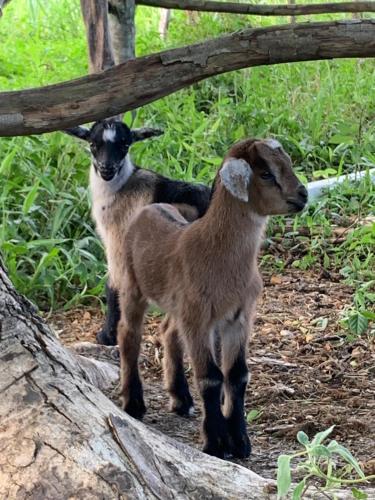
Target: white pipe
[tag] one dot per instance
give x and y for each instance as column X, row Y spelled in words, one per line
column 315, row 188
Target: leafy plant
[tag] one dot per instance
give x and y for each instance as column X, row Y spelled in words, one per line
column 327, row 467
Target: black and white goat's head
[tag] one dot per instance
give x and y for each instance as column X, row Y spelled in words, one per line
column 109, row 142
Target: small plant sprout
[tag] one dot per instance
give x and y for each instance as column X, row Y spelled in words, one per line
column 320, row 468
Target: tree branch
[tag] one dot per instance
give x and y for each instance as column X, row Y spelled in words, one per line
column 260, row 10
column 94, row 13
column 122, row 29
column 146, row 79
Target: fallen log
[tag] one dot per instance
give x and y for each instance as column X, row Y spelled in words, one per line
column 261, row 10
column 60, row 437
column 143, row 80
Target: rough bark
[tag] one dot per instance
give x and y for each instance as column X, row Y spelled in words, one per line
column 95, row 17
column 143, row 80
column 261, row 10
column 60, row 437
column 122, row 29
column 3, row 3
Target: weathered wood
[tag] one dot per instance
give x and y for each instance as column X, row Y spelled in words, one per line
column 2, row 5
column 95, row 16
column 122, row 29
column 60, row 437
column 261, row 10
column 143, row 80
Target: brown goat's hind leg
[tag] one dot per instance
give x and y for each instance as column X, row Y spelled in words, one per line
column 236, row 374
column 209, row 381
column 133, row 307
column 174, row 375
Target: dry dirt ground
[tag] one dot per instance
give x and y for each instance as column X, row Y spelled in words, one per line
column 306, row 375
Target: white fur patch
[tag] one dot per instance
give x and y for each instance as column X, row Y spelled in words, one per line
column 191, row 411
column 273, row 143
column 235, row 174
column 109, row 134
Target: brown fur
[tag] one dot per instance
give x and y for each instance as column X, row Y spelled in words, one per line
column 205, row 275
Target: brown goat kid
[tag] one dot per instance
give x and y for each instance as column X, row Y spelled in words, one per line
column 205, row 275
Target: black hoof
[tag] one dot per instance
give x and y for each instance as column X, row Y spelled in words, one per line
column 219, row 449
column 217, row 444
column 240, row 446
column 136, row 408
column 103, row 338
column 183, row 406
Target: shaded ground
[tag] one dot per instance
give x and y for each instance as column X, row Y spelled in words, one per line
column 305, row 374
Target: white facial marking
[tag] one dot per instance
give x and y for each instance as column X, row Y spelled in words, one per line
column 109, row 134
column 273, row 143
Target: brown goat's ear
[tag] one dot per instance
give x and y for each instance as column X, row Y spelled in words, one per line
column 235, row 175
column 140, row 134
column 80, row 132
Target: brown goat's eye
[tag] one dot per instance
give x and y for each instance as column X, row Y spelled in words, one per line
column 267, row 176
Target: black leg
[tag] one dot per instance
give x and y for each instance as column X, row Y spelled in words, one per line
column 215, row 431
column 176, row 384
column 135, row 405
column 108, row 333
column 235, row 387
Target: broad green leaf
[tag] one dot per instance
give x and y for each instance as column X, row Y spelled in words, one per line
column 321, row 451
column 335, row 447
column 298, row 490
column 284, row 478
column 368, row 314
column 358, row 323
column 302, row 438
column 30, row 198
column 253, row 415
column 320, row 437
column 358, row 494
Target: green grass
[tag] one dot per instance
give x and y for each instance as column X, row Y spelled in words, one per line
column 323, row 113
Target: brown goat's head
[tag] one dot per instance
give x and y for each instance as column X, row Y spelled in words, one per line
column 260, row 173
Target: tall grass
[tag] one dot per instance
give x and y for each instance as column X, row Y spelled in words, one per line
column 323, row 112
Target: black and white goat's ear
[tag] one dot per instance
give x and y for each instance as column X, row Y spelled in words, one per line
column 80, row 132
column 235, row 174
column 140, row 134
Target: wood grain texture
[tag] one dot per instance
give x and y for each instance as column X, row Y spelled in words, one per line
column 60, row 437
column 261, row 10
column 95, row 17
column 143, row 80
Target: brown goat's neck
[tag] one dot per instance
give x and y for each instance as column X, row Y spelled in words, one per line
column 232, row 223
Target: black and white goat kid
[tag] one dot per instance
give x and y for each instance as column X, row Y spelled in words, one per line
column 119, row 189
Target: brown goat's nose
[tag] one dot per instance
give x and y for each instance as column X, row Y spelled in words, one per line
column 302, row 191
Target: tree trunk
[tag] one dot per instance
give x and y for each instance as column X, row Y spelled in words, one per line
column 60, row 437
column 261, row 10
column 143, row 80
column 95, row 17
column 122, row 29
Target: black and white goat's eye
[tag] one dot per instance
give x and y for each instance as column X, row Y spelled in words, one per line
column 267, row 176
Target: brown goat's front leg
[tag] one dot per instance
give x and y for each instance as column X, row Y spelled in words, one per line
column 174, row 374
column 129, row 336
column 236, row 374
column 209, row 381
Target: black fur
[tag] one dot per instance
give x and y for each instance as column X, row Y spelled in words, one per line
column 108, row 333
column 240, row 443
column 180, row 391
column 135, row 406
column 215, row 429
column 171, row 191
